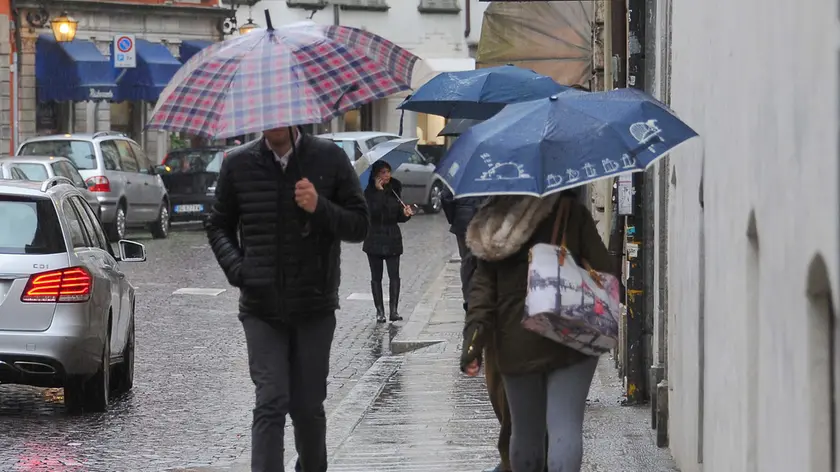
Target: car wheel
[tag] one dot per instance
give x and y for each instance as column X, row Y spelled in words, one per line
column 116, row 229
column 435, row 199
column 124, row 372
column 92, row 393
column 160, row 228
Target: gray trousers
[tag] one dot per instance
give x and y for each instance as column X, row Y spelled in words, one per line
column 468, row 264
column 289, row 366
column 554, row 402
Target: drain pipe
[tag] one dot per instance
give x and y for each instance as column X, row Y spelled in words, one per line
column 16, row 68
column 467, row 19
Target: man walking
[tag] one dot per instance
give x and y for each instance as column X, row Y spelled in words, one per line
column 283, row 205
column 459, row 213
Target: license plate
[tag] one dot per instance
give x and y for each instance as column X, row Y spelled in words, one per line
column 189, row 208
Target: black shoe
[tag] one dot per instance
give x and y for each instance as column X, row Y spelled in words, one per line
column 378, row 302
column 394, row 299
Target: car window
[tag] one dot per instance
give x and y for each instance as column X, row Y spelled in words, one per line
column 80, row 152
column 73, row 174
column 110, row 155
column 77, row 233
column 65, row 169
column 127, row 160
column 30, row 226
column 416, row 158
column 351, row 148
column 189, row 162
column 142, row 160
column 34, row 172
column 380, row 140
column 17, row 174
column 90, row 224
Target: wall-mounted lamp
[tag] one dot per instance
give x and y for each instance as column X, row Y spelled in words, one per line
column 64, row 27
column 248, row 27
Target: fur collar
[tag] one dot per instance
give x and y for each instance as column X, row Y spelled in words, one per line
column 505, row 223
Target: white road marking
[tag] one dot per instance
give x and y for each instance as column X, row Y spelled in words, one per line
column 366, row 297
column 207, row 292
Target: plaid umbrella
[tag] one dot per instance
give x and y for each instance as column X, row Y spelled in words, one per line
column 271, row 78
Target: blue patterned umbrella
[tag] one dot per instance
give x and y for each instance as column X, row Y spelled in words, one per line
column 549, row 145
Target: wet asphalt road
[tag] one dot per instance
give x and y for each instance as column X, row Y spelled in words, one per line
column 191, row 404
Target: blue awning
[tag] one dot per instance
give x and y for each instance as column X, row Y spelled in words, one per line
column 155, row 67
column 191, row 47
column 71, row 71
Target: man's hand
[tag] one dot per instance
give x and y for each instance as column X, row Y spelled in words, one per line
column 306, row 196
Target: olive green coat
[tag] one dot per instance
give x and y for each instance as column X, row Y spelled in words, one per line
column 496, row 301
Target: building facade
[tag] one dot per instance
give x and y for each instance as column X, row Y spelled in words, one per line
column 747, row 233
column 441, row 32
column 75, row 87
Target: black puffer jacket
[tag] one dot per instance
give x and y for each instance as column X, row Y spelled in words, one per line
column 285, row 261
column 386, row 212
column 460, row 212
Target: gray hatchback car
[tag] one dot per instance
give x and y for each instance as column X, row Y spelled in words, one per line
column 118, row 172
column 66, row 307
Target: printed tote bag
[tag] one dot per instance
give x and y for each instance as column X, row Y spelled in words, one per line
column 569, row 302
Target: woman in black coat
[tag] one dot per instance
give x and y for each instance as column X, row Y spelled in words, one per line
column 383, row 245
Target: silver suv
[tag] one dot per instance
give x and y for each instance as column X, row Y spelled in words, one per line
column 118, row 172
column 66, row 308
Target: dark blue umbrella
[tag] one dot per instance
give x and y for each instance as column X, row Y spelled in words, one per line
column 552, row 144
column 481, row 93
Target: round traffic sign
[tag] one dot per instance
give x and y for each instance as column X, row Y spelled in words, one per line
column 124, row 44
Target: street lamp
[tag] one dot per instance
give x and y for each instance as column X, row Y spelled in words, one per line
column 64, row 28
column 248, row 27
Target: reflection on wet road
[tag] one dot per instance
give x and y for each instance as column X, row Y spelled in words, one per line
column 191, row 403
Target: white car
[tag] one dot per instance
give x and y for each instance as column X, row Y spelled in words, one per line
column 41, row 168
column 358, row 143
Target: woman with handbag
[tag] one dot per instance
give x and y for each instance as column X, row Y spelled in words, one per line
column 546, row 383
column 384, row 244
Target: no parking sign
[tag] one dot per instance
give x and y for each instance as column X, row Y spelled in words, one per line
column 124, row 51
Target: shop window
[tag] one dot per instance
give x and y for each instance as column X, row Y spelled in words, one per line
column 373, row 5
column 439, row 6
column 360, row 119
column 428, row 127
column 126, row 117
column 823, row 369
column 54, row 118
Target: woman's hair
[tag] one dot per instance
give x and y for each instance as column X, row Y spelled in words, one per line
column 375, row 169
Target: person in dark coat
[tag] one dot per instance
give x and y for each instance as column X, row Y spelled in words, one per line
column 284, row 203
column 459, row 213
column 544, row 383
column 384, row 244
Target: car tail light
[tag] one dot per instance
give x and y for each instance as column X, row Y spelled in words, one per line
column 98, row 183
column 58, row 286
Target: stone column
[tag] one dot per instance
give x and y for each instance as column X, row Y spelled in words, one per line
column 27, row 89
column 102, row 114
column 6, row 116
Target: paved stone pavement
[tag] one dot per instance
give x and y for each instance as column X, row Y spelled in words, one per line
column 417, row 412
column 191, row 405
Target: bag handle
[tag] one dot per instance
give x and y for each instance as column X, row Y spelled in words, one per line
column 563, row 215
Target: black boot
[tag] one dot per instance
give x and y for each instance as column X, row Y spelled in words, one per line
column 378, row 302
column 394, row 294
